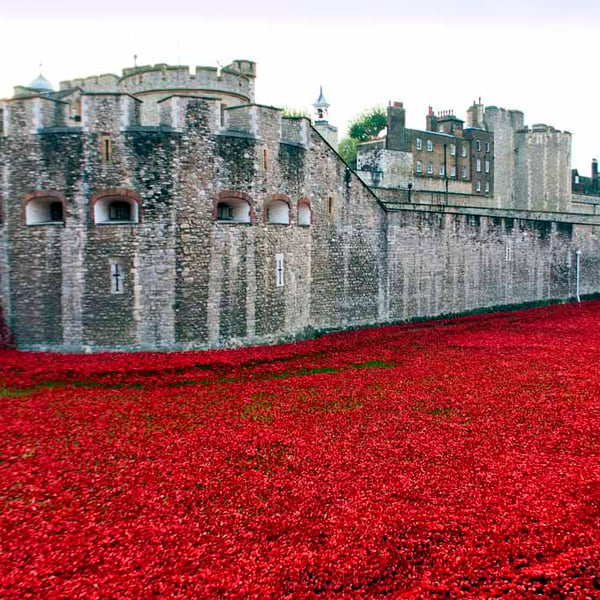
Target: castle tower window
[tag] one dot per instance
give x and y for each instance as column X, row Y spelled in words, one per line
column 304, row 214
column 279, row 270
column 112, row 210
column 233, row 210
column 56, row 212
column 117, row 277
column 330, row 205
column 119, row 211
column 44, row 210
column 265, row 158
column 278, row 212
column 106, row 149
column 224, row 212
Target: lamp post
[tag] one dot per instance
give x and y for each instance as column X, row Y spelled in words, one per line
column 577, row 258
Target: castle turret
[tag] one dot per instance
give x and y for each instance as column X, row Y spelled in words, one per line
column 321, row 120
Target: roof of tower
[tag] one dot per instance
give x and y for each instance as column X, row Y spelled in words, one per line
column 40, row 84
column 321, row 99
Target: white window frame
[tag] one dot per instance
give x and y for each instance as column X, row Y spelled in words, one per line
column 478, row 145
column 279, row 270
column 487, row 146
column 452, row 149
column 419, row 144
column 419, row 168
column 278, row 212
column 463, row 151
column 38, row 211
column 478, row 185
column 487, row 187
column 429, row 168
column 117, row 277
column 429, row 146
column 304, row 214
column 239, row 211
column 478, row 165
column 102, row 211
column 453, row 171
column 441, row 170
column 464, row 172
column 487, row 166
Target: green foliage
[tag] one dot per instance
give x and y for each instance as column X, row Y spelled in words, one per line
column 295, row 113
column 368, row 124
column 347, row 149
column 364, row 127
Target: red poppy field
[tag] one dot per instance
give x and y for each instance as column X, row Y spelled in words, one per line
column 456, row 458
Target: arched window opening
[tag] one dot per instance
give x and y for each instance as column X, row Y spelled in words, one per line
column 278, row 212
column 44, row 211
column 234, row 210
column 115, row 209
column 304, row 214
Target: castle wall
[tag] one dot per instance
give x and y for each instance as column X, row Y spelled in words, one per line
column 444, row 263
column 187, row 279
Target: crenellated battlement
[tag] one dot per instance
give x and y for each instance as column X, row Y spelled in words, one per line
column 235, row 80
column 110, row 113
column 95, row 83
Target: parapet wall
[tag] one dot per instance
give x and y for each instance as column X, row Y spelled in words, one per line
column 233, row 84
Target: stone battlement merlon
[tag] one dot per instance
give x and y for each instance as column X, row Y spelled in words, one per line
column 235, row 81
column 108, row 82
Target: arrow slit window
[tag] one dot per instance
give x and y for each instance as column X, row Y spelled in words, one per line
column 117, row 277
column 279, row 270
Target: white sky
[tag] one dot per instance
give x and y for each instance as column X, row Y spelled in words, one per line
column 535, row 55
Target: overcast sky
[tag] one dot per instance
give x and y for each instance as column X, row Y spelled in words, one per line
column 537, row 56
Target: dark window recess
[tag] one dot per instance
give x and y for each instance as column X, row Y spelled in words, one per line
column 56, row 211
column 224, row 212
column 119, row 211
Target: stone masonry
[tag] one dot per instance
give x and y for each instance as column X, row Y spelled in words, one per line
column 193, row 222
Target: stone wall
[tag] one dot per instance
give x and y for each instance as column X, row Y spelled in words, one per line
column 190, row 280
column 543, row 169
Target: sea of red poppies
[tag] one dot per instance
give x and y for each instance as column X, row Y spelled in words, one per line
column 448, row 459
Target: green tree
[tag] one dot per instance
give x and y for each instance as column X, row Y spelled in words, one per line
column 364, row 127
